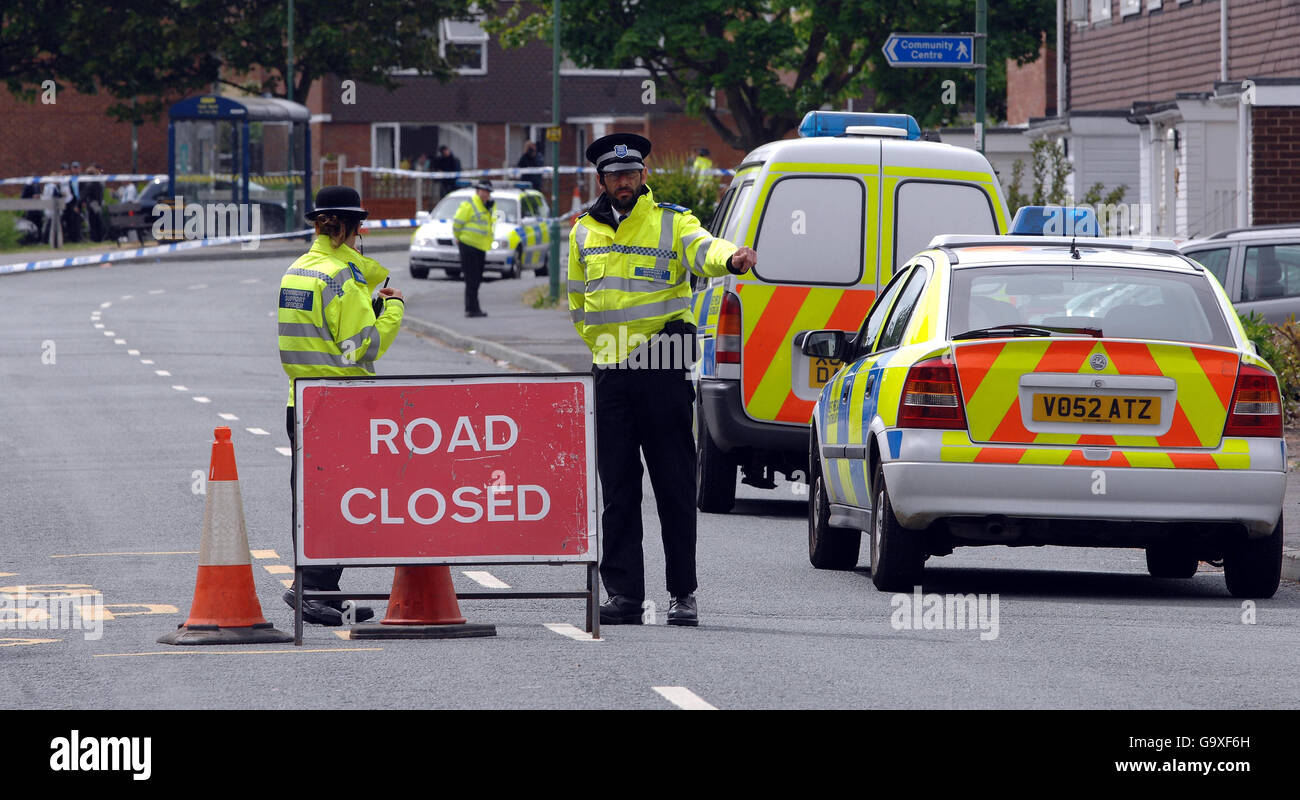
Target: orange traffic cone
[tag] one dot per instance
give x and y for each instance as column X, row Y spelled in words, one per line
column 422, row 605
column 225, row 608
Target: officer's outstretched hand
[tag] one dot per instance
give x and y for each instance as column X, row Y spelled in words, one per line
column 388, row 292
column 743, row 260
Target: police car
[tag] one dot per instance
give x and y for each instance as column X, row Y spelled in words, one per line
column 832, row 215
column 522, row 234
column 977, row 405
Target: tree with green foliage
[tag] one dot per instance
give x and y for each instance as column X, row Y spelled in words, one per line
column 148, row 54
column 774, row 60
column 1050, row 170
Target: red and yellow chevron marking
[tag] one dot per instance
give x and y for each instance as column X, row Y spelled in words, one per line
column 989, row 373
column 957, row 447
column 772, row 316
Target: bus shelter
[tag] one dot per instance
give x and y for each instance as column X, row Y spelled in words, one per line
column 247, row 150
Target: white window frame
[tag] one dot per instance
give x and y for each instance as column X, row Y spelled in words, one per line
column 1098, row 10
column 445, row 37
column 1128, row 8
column 466, row 163
column 1153, row 5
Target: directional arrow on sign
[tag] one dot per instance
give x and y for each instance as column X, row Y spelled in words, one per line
column 931, row 50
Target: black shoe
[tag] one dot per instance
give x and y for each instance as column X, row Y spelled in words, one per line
column 620, row 610
column 476, row 313
column 321, row 612
column 684, row 611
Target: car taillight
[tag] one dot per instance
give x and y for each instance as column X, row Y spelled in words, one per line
column 1256, row 404
column 727, row 350
column 931, row 396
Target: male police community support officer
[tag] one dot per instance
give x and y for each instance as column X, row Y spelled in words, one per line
column 629, row 265
column 474, row 230
column 329, row 328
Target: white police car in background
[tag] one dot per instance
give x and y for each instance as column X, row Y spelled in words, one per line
column 522, row 237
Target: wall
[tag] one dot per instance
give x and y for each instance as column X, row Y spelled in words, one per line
column 1275, row 164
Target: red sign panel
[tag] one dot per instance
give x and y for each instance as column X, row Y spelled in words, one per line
column 446, row 470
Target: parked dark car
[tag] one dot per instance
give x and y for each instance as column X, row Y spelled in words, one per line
column 1259, row 267
column 139, row 215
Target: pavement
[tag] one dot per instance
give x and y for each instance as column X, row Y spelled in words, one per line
column 517, row 335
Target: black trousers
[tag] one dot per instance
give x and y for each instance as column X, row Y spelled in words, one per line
column 471, row 267
column 323, row 579
column 645, row 411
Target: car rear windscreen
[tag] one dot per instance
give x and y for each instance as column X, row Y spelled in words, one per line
column 1124, row 303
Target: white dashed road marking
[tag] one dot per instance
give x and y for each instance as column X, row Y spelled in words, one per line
column 278, row 569
column 162, row 373
column 486, row 579
column 682, row 697
column 202, row 400
column 257, row 431
column 119, row 341
column 157, row 291
column 228, row 417
column 133, row 352
column 198, row 286
column 126, row 297
column 264, row 554
column 99, row 325
column 106, row 304
column 284, row 451
column 109, row 333
column 577, row 634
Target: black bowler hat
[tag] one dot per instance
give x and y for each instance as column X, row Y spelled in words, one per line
column 483, row 184
column 618, row 152
column 342, row 200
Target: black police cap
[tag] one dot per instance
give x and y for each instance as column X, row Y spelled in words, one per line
column 341, row 200
column 618, row 151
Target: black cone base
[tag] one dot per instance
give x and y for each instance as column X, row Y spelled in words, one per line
column 257, row 634
column 421, row 631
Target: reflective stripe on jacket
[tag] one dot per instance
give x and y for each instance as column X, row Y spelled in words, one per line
column 327, row 325
column 473, row 224
column 633, row 282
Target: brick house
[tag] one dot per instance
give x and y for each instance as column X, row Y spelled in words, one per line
column 1190, row 104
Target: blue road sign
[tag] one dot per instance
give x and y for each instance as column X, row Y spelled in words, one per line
column 930, row 50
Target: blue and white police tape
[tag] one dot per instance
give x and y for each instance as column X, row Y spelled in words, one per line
column 80, row 179
column 175, row 247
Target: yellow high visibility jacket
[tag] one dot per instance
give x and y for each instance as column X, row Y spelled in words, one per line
column 633, row 281
column 328, row 327
column 473, row 224
column 702, row 163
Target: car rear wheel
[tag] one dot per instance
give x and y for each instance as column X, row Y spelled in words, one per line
column 1254, row 568
column 453, row 274
column 715, row 471
column 420, row 273
column 1170, row 561
column 829, row 547
column 897, row 558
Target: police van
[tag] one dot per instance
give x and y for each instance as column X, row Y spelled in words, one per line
column 832, row 214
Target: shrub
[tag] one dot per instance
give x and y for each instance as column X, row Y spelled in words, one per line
column 679, row 185
column 1279, row 345
column 10, row 237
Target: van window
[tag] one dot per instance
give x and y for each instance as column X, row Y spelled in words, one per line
column 902, row 313
column 732, row 224
column 925, row 209
column 714, row 225
column 812, row 231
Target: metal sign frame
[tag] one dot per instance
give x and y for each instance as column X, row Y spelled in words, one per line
column 590, row 559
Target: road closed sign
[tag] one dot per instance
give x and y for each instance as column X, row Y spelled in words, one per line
column 446, row 470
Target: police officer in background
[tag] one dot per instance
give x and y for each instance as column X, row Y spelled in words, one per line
column 474, row 229
column 329, row 327
column 630, row 260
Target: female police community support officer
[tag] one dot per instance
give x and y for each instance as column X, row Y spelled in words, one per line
column 329, row 327
column 629, row 260
column 474, row 230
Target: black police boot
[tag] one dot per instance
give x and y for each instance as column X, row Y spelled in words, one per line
column 684, row 611
column 620, row 610
column 328, row 613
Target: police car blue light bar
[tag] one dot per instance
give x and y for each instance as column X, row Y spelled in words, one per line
column 1055, row 221
column 837, row 123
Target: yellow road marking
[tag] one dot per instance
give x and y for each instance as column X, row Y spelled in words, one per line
column 150, row 553
column 278, row 569
column 287, row 581
column 93, row 613
column 7, row 574
column 21, row 642
column 345, row 635
column 240, row 652
column 265, row 554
